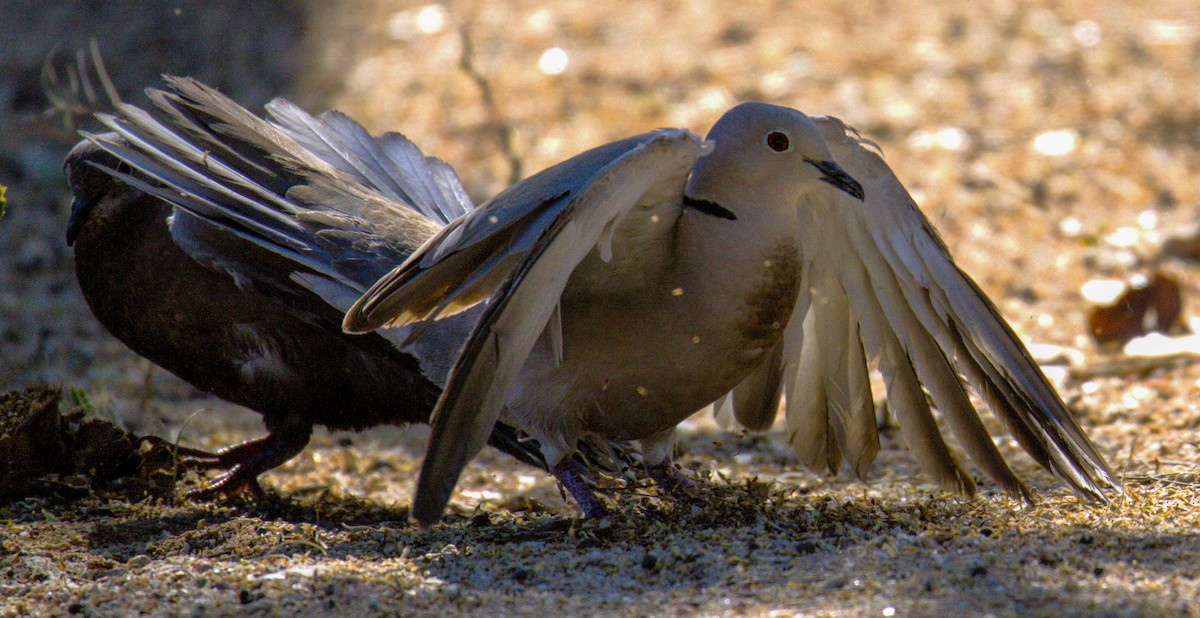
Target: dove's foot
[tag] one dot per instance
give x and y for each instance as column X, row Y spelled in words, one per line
column 568, row 475
column 671, row 481
column 242, row 463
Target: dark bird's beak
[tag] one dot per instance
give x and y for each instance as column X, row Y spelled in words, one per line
column 836, row 176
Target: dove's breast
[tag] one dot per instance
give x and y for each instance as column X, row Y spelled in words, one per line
column 638, row 363
column 767, row 304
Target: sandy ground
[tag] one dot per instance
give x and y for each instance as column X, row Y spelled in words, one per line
column 1052, row 145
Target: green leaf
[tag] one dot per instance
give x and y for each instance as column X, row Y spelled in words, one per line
column 79, row 399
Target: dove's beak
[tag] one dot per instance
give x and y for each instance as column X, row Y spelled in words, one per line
column 833, row 174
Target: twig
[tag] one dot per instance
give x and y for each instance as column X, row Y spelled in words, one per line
column 69, row 88
column 1133, row 366
column 504, row 129
column 106, row 82
column 147, row 388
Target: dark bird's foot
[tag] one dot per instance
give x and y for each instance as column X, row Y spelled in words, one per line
column 242, row 463
column 568, row 475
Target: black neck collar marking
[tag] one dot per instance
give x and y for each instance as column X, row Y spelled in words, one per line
column 709, row 208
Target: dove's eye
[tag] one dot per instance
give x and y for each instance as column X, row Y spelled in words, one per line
column 778, row 141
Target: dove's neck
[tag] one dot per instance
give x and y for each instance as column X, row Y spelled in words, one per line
column 745, row 271
column 728, row 231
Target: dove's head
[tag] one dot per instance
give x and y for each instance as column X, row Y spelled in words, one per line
column 764, row 152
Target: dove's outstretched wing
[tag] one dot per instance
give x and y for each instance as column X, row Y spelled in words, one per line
column 518, row 251
column 880, row 283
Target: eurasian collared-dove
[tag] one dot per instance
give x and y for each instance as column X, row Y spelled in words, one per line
column 633, row 284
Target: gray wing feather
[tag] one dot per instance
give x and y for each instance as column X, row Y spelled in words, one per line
column 861, row 431
column 910, row 313
column 336, row 209
column 754, row 403
column 888, row 327
column 839, row 275
column 389, row 164
column 847, row 389
column 810, row 429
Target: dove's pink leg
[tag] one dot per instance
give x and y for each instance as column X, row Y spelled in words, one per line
column 670, row 480
column 568, row 475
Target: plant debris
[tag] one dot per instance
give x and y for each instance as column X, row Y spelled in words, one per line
column 48, row 450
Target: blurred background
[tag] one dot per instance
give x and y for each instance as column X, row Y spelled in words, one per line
column 1052, row 143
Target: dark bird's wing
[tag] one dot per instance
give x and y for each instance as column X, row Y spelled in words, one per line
column 317, row 208
column 518, row 250
column 319, row 191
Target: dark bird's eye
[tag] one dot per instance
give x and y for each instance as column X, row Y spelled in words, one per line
column 778, row 141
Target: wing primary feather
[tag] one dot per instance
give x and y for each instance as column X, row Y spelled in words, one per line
column 807, row 413
column 841, row 354
column 755, row 401
column 905, row 395
column 886, row 331
column 917, row 425
column 556, row 334
column 862, row 428
column 910, row 313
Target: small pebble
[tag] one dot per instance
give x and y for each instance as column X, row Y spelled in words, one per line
column 1049, row 558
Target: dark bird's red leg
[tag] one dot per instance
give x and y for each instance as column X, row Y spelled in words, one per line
column 242, row 463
